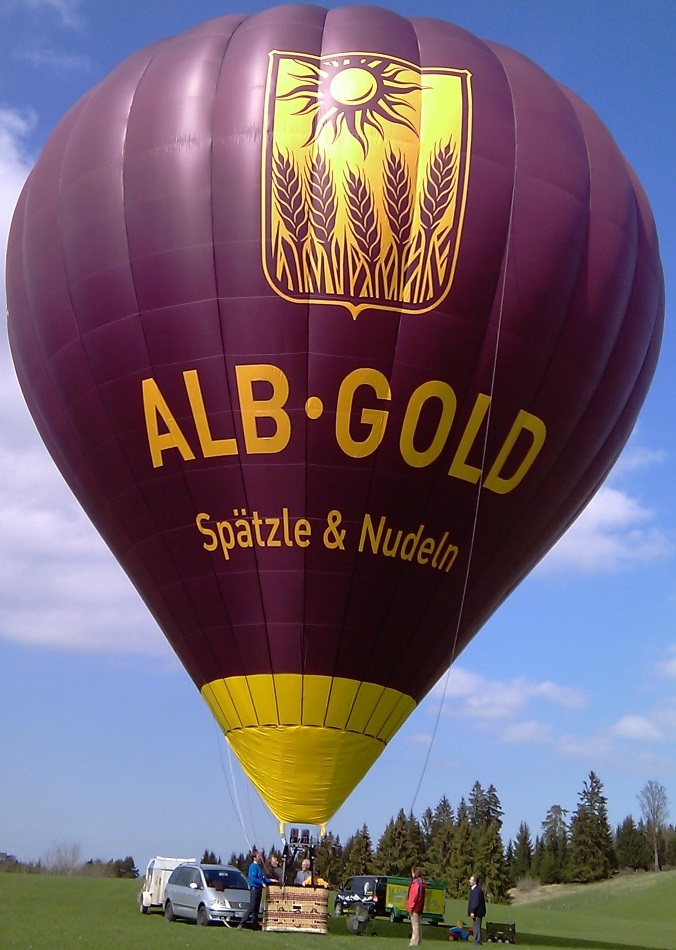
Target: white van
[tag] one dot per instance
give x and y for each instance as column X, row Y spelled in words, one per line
column 157, row 874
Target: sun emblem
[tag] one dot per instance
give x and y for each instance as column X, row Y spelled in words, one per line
column 355, row 93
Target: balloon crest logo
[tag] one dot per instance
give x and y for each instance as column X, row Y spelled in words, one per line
column 364, row 187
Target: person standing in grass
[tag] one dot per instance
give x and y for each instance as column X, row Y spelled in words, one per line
column 415, row 902
column 256, row 882
column 476, row 907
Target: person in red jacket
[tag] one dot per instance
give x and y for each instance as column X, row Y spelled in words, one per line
column 415, row 901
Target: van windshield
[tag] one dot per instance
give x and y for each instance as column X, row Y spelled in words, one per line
column 224, row 879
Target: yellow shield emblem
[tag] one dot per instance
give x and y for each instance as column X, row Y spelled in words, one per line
column 365, row 172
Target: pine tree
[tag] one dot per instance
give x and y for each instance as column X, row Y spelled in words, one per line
column 461, row 864
column 463, row 812
column 631, row 846
column 329, row 859
column 400, row 846
column 592, row 857
column 358, row 853
column 490, row 864
column 485, row 814
column 493, row 807
column 478, row 807
column 550, row 862
column 522, row 853
column 441, row 842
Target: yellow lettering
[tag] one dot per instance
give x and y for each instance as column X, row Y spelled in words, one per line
column 210, row 447
column 367, row 532
column 302, row 532
column 374, row 419
column 459, row 467
column 410, row 543
column 425, row 549
column 271, row 408
column 273, row 540
column 538, row 431
column 207, row 532
column 155, row 407
column 226, row 536
column 434, row 389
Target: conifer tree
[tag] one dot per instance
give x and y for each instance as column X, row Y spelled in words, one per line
column 358, row 853
column 550, row 861
column 490, row 864
column 329, row 859
column 477, row 807
column 631, row 847
column 400, row 847
column 592, row 857
column 441, row 842
column 493, row 808
column 427, row 827
column 462, row 860
column 522, row 854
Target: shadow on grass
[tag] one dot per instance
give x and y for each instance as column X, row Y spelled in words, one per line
column 547, row 940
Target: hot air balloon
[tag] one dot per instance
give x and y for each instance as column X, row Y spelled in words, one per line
column 333, row 321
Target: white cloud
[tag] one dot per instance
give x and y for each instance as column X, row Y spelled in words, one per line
column 639, row 728
column 14, row 163
column 66, row 11
column 614, row 532
column 594, row 748
column 668, row 667
column 423, row 739
column 528, row 733
column 40, row 55
column 635, row 458
column 60, row 586
column 472, row 695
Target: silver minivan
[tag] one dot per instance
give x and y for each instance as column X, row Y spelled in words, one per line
column 206, row 893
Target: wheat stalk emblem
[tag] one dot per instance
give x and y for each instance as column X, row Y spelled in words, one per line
column 362, row 207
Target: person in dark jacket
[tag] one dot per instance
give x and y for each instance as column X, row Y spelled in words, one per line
column 476, row 907
column 256, row 882
column 276, row 869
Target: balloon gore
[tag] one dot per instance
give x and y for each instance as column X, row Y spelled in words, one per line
column 333, row 321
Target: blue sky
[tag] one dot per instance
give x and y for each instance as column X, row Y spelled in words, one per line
column 104, row 741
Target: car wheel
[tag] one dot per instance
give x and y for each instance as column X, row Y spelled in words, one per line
column 338, row 909
column 394, row 916
column 169, row 911
column 202, row 916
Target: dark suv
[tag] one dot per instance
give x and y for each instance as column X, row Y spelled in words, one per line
column 367, row 889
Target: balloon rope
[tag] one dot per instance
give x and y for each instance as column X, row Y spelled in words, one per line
column 234, row 800
column 478, row 498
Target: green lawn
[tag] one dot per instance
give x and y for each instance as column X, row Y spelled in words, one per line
column 636, row 912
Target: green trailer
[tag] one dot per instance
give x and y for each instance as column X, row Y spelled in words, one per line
column 395, row 900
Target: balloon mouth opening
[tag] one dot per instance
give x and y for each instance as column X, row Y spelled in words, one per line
column 305, row 741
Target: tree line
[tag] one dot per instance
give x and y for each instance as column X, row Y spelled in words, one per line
column 65, row 859
column 453, row 843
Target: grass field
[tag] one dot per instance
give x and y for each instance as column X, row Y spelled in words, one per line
column 636, row 912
